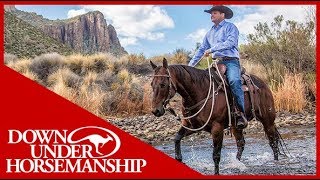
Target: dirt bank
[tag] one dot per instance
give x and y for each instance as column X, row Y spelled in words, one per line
column 161, row 130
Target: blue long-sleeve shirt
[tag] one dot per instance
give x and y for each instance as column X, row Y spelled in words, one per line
column 222, row 40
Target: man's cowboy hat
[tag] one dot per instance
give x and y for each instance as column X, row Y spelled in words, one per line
column 224, row 9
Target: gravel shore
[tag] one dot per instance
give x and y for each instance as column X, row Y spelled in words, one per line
column 161, row 130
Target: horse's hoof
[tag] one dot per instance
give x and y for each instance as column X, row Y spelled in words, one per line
column 179, row 159
column 238, row 157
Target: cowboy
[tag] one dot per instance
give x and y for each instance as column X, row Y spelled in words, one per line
column 222, row 41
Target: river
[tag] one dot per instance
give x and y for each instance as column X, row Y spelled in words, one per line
column 257, row 157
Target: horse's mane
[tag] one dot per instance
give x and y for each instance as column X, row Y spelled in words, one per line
column 201, row 77
column 198, row 76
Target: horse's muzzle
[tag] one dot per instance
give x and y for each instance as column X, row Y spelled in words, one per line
column 158, row 112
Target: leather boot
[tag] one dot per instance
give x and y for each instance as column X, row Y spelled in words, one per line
column 242, row 121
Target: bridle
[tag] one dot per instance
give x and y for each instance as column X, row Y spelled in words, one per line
column 211, row 86
column 171, row 84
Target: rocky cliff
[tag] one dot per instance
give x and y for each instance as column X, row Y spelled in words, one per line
column 88, row 33
column 24, row 40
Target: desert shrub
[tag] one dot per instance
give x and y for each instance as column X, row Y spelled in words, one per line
column 65, row 76
column 135, row 59
column 310, row 79
column 46, row 64
column 75, row 63
column 32, row 76
column 10, row 58
column 106, row 79
column 254, row 68
column 180, row 56
column 124, row 76
column 147, row 98
column 286, row 45
column 158, row 59
column 21, row 65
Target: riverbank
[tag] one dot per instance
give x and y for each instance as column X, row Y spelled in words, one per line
column 161, row 130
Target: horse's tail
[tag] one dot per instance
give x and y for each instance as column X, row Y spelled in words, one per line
column 283, row 147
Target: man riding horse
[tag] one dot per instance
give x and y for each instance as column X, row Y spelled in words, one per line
column 195, row 84
column 222, row 41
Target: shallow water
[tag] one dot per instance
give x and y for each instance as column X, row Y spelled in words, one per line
column 257, row 157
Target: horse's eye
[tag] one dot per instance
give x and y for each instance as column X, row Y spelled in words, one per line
column 162, row 85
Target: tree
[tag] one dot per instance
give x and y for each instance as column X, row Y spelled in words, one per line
column 284, row 45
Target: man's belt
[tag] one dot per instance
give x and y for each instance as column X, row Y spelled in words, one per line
column 226, row 58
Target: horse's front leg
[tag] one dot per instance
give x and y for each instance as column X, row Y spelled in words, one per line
column 177, row 140
column 217, row 137
column 238, row 134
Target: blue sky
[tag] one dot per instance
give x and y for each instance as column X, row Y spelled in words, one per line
column 154, row 30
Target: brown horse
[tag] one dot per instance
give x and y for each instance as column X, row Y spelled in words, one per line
column 193, row 85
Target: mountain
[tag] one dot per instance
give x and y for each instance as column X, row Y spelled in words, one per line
column 87, row 33
column 24, row 40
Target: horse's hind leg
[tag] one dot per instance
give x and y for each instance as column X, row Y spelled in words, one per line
column 271, row 132
column 238, row 134
column 177, row 142
column 217, row 138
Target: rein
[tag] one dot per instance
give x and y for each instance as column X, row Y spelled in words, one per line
column 204, row 101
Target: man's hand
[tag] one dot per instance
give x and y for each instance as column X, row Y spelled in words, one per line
column 207, row 52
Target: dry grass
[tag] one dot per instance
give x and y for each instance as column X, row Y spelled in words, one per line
column 109, row 86
column 147, row 101
column 254, row 68
column 91, row 100
column 31, row 76
column 82, row 64
column 124, row 76
column 134, row 59
column 313, row 88
column 46, row 64
column 22, row 66
column 174, row 58
column 158, row 59
column 86, row 96
column 10, row 58
column 66, row 77
column 290, row 95
column 179, row 58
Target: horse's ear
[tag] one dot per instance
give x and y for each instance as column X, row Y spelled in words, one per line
column 153, row 65
column 165, row 63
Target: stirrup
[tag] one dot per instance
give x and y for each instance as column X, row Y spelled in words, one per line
column 243, row 123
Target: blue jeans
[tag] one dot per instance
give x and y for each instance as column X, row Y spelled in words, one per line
column 233, row 74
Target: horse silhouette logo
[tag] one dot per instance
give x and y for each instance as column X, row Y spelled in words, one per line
column 97, row 140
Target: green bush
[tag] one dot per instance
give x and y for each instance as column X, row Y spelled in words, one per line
column 282, row 46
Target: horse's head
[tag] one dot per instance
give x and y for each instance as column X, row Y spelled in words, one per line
column 163, row 88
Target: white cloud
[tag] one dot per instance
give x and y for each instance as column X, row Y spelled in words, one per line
column 198, row 35
column 126, row 41
column 73, row 13
column 154, row 36
column 266, row 13
column 134, row 22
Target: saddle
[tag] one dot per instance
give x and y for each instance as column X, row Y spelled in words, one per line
column 247, row 86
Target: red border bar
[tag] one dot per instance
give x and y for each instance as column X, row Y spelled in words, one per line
column 72, row 2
